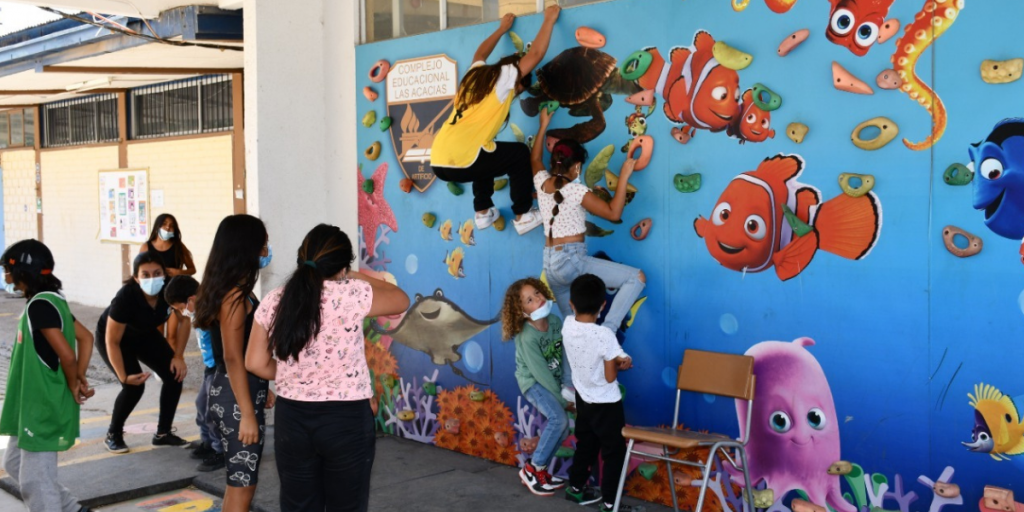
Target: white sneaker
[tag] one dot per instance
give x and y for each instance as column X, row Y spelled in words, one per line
column 528, row 221
column 484, row 220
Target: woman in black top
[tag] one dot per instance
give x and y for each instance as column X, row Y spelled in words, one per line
column 166, row 243
column 130, row 331
column 225, row 307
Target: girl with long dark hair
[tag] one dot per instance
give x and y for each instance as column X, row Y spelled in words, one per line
column 131, row 331
column 309, row 337
column 225, row 307
column 464, row 149
column 165, row 242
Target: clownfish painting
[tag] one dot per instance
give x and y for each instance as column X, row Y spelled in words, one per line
column 753, row 124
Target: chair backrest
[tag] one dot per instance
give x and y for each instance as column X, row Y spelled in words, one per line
column 716, row 373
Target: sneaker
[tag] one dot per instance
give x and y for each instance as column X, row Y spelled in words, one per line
column 484, row 220
column 212, row 463
column 606, row 507
column 168, row 439
column 528, row 221
column 584, row 496
column 553, row 481
column 201, row 452
column 115, row 443
column 536, row 480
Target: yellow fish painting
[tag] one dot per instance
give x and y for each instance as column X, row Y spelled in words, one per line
column 454, row 263
column 466, row 233
column 446, row 231
column 998, row 430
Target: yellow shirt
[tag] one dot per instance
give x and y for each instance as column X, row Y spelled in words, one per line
column 458, row 145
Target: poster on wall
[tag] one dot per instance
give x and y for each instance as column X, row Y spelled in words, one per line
column 124, row 206
column 421, row 93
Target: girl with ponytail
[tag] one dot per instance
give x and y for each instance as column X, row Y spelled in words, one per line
column 564, row 203
column 308, row 336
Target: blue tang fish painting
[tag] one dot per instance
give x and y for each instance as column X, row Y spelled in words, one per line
column 998, row 163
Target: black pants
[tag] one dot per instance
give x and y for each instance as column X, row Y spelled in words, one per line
column 325, row 452
column 599, row 430
column 152, row 349
column 511, row 158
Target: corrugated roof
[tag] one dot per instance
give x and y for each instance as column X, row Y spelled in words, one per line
column 36, row 31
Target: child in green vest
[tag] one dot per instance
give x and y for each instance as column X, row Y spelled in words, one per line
column 46, row 384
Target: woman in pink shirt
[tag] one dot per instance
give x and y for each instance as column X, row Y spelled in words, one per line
column 308, row 336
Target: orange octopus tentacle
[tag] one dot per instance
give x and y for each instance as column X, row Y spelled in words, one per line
column 930, row 23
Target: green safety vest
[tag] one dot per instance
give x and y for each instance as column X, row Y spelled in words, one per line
column 39, row 408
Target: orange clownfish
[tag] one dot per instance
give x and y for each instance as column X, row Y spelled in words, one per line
column 753, row 124
column 854, row 23
column 699, row 92
column 748, row 230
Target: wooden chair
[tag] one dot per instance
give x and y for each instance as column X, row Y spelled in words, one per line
column 711, row 373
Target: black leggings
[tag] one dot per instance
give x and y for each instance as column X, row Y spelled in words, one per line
column 153, row 350
column 511, row 158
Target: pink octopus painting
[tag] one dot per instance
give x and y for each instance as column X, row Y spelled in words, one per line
column 794, row 431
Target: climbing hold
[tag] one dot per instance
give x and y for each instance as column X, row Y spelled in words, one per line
column 565, row 452
column 773, row 102
column 867, row 182
column 887, row 132
column 845, row 81
column 681, row 479
column 429, row 219
column 889, row 80
column 957, row 174
column 799, row 505
column 451, row 425
column 641, row 229
column 369, row 119
column 385, row 123
column 406, row 415
column 998, row 498
column 549, row 143
column 763, row 498
column 551, row 106
column 595, row 231
column 739, row 5
column 406, row 185
column 517, row 133
column 644, row 98
column 589, row 38
column 636, row 65
column 517, row 42
column 501, row 439
column 370, row 93
column 686, row 183
column 800, row 228
column 477, row 396
column 500, row 184
column 389, row 380
column 602, row 194
column 731, row 57
column 644, row 143
column 792, row 41
column 647, row 470
column 368, row 186
column 373, row 152
column 946, row 490
column 499, row 223
column 455, row 188
column 974, row 245
column 598, row 165
column 796, row 132
column 841, row 467
column 888, row 29
column 430, row 388
column 680, row 136
column 379, row 71
column 613, row 182
column 779, row 6
column 1001, row 71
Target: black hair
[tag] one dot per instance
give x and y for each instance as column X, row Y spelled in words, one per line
column 234, row 262
column 179, row 289
column 141, row 259
column 564, row 154
column 587, row 294
column 31, row 263
column 324, row 252
column 176, row 244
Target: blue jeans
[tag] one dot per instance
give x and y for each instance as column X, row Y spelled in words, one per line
column 557, row 428
column 209, row 433
column 564, row 263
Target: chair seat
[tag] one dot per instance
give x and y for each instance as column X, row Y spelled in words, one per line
column 673, row 438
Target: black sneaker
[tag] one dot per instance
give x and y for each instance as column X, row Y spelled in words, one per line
column 201, row 452
column 115, row 443
column 168, row 439
column 584, row 496
column 212, row 463
column 605, row 507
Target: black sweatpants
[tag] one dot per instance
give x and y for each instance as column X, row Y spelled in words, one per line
column 599, row 430
column 151, row 349
column 511, row 158
column 325, row 452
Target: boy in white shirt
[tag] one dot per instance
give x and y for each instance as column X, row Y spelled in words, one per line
column 596, row 359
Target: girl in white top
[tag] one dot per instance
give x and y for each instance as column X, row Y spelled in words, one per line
column 564, row 202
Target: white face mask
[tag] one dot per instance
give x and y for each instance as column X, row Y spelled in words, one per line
column 166, row 235
column 579, row 173
column 9, row 288
column 152, row 286
column 541, row 312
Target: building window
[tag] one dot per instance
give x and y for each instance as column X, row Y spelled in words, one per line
column 187, row 107
column 90, row 120
column 17, row 128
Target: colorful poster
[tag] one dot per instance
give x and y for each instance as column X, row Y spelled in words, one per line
column 124, row 213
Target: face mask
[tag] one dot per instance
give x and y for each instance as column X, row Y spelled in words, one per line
column 265, row 260
column 152, row 286
column 191, row 315
column 577, row 179
column 166, row 235
column 541, row 312
column 9, row 288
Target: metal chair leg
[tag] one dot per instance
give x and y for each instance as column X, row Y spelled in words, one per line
column 746, row 478
column 671, row 481
column 706, row 477
column 622, row 478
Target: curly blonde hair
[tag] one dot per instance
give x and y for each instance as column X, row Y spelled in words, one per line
column 512, row 315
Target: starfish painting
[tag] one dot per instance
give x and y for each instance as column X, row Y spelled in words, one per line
column 374, row 211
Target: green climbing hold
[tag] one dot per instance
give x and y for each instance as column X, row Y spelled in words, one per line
column 385, row 123
column 800, row 228
column 389, row 380
column 622, row 389
column 430, row 388
column 957, row 174
column 647, row 470
column 595, row 231
column 500, row 184
column 551, row 106
column 429, row 219
column 773, row 102
column 477, row 396
column 517, row 133
column 598, row 165
column 602, row 194
column 368, row 186
column 565, row 452
column 687, row 182
column 454, row 188
column 636, row 65
column 517, row 42
column 369, row 119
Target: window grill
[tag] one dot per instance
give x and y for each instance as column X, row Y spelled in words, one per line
column 197, row 105
column 77, row 121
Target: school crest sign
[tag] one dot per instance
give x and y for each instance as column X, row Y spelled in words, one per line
column 420, row 96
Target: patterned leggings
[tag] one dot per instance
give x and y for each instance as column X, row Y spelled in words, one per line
column 243, row 461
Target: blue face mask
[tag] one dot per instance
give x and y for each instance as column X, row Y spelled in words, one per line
column 541, row 312
column 151, row 286
column 265, row 260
